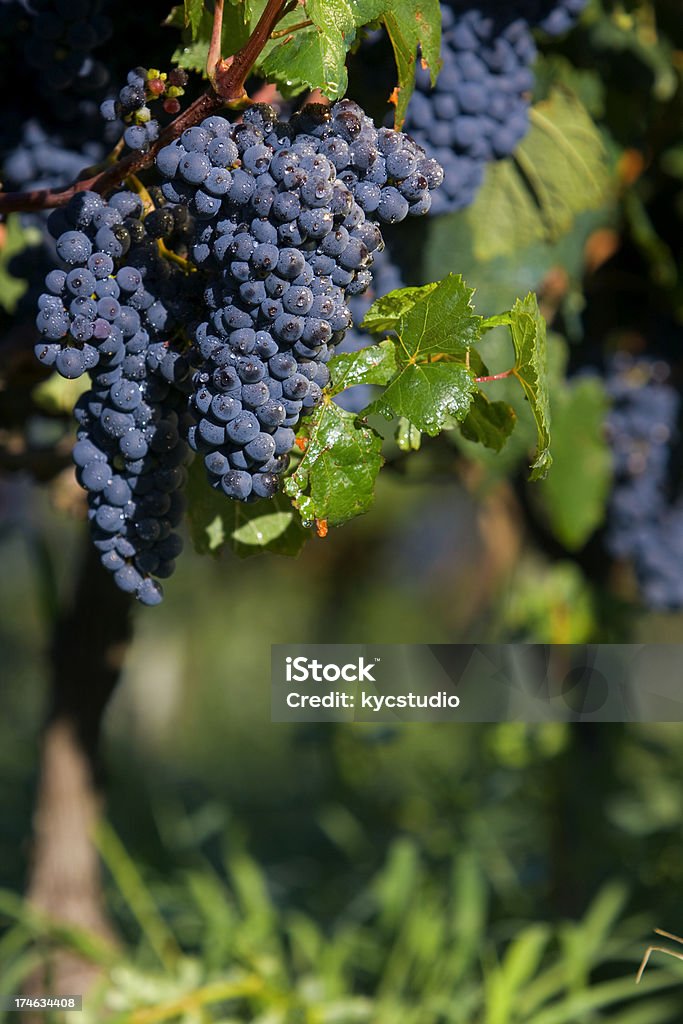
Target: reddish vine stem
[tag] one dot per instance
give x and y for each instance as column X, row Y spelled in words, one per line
column 214, row 54
column 229, row 86
column 494, row 376
column 231, row 74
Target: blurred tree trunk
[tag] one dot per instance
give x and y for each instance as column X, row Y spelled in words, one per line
column 89, row 643
column 579, row 784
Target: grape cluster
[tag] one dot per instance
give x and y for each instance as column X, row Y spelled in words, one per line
column 131, row 107
column 286, row 231
column 645, row 525
column 52, row 130
column 110, row 312
column 554, row 17
column 59, row 37
column 478, row 111
column 66, row 113
column 44, row 160
column 49, row 134
column 260, row 236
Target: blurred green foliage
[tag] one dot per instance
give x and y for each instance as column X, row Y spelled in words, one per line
column 405, row 948
column 287, row 873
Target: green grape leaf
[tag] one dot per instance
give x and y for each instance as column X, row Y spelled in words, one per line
column 335, row 479
column 412, row 24
column 301, row 62
column 57, row 395
column 552, row 70
column 193, row 49
column 193, row 11
column 375, row 364
column 435, row 320
column 239, row 19
column 489, row 423
column 575, row 494
column 500, row 320
column 314, row 56
column 217, row 522
column 527, row 328
column 557, row 172
column 191, row 56
column 17, row 239
column 386, row 312
column 301, row 56
column 441, row 321
column 208, row 512
column 408, row 437
column 428, row 395
column 272, row 526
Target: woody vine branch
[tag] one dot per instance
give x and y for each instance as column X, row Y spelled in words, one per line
column 228, row 87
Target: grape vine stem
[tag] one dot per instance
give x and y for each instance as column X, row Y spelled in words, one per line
column 214, row 54
column 228, row 87
column 494, row 376
column 281, row 33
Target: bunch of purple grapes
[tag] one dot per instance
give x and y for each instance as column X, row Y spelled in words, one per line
column 259, row 238
column 478, row 110
column 645, row 519
column 286, row 232
column 112, row 312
